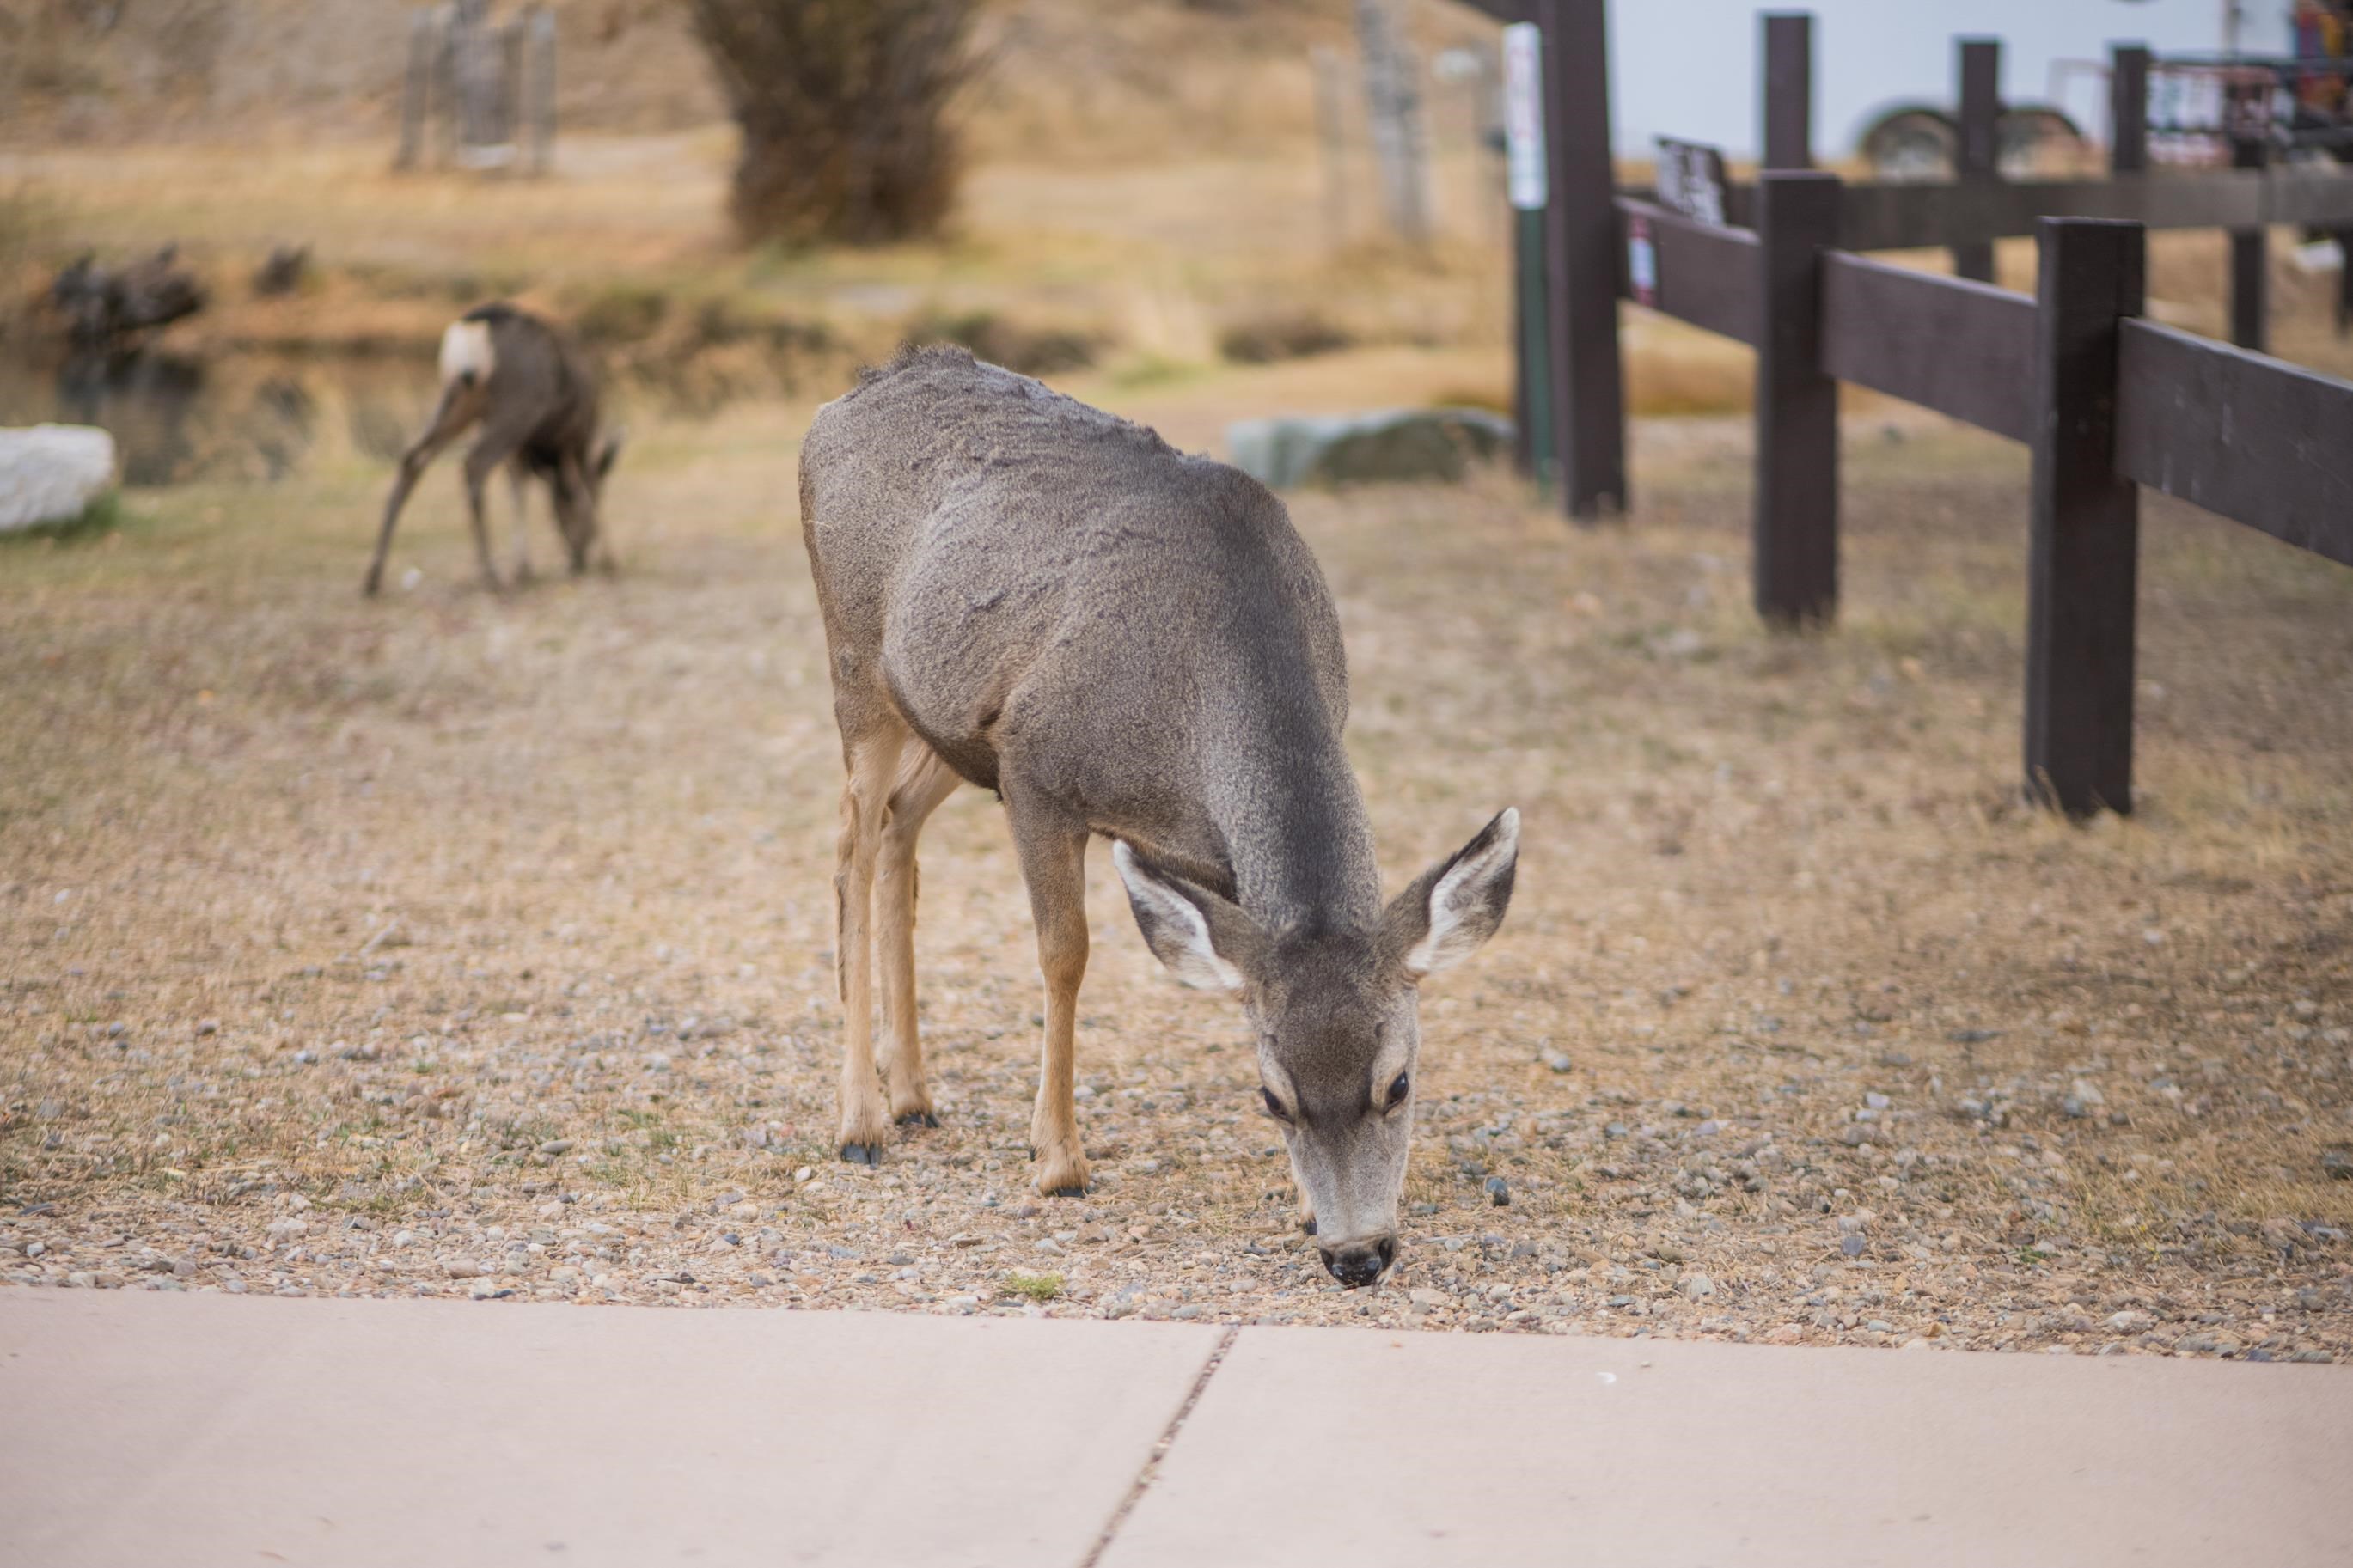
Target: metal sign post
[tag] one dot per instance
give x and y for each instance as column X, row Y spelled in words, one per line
column 1523, row 151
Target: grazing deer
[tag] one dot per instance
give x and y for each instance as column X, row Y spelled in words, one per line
column 525, row 385
column 1027, row 594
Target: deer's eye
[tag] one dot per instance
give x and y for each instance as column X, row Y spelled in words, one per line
column 1273, row 1106
column 1397, row 1090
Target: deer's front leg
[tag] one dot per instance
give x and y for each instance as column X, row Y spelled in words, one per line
column 1055, row 863
column 873, row 762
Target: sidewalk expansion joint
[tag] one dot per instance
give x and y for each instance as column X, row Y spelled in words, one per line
column 1143, row 1476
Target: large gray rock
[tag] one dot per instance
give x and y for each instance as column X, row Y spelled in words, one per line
column 50, row 472
column 1397, row 444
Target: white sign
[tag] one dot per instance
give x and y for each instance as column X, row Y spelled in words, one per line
column 1523, row 126
column 1691, row 181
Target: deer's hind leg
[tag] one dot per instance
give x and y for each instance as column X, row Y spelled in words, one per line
column 924, row 782
column 480, row 462
column 871, row 751
column 518, row 488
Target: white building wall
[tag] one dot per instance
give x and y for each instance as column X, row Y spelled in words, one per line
column 1689, row 67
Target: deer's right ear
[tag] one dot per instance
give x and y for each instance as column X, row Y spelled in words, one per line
column 1203, row 939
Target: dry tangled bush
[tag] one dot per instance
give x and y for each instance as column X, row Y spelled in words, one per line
column 843, row 105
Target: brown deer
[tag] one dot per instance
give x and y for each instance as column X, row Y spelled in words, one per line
column 1031, row 596
column 526, row 385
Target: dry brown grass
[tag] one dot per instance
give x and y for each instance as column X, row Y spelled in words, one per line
column 461, row 881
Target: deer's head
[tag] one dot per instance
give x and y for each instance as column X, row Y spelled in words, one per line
column 1339, row 1034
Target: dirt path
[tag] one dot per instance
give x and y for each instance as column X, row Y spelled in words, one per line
column 446, row 945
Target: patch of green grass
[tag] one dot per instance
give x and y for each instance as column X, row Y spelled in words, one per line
column 102, row 516
column 1146, row 370
column 1037, row 1286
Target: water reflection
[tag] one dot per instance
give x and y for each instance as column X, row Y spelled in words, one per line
column 175, row 417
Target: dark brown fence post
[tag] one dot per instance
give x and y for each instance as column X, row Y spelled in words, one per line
column 1589, row 386
column 1794, row 537
column 2128, row 109
column 2250, row 263
column 2345, row 282
column 2086, row 545
column 1977, row 159
column 1788, row 90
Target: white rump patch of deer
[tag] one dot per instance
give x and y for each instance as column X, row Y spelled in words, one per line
column 1026, row 594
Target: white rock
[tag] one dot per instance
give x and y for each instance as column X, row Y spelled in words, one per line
column 50, row 472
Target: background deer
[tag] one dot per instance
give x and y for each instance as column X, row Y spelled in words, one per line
column 1027, row 594
column 526, row 385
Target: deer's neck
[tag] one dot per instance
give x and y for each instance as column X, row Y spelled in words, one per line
column 1293, row 822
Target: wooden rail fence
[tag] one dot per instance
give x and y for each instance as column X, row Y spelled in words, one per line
column 2107, row 403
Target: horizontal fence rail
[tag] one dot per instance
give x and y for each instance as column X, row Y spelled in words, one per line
column 1907, row 217
column 2263, row 444
column 1961, row 348
column 1706, row 276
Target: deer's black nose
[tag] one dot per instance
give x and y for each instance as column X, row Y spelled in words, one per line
column 1360, row 1262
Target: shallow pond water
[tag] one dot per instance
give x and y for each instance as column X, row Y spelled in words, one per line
column 176, row 418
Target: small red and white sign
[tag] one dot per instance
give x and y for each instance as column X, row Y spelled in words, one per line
column 1641, row 260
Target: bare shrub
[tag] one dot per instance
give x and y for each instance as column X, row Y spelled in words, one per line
column 1026, row 349
column 1274, row 335
column 843, row 106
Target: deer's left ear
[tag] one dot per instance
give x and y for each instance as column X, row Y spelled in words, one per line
column 1206, row 941
column 1456, row 904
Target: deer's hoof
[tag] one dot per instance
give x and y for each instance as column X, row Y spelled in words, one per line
column 862, row 1154
column 1066, row 1192
column 919, row 1118
column 1307, row 1226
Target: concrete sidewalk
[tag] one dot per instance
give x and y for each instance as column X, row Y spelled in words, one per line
column 146, row 1428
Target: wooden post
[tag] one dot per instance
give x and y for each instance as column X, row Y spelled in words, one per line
column 2345, row 282
column 1393, row 106
column 1794, row 542
column 2084, row 547
column 1589, row 386
column 415, row 89
column 1331, row 134
column 443, row 117
column 2128, row 109
column 1788, row 90
column 543, row 90
column 2249, row 264
column 1979, row 153
column 510, row 100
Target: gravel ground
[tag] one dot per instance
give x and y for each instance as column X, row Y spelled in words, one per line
column 451, row 947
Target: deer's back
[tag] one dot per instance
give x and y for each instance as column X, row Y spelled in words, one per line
column 1026, row 578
